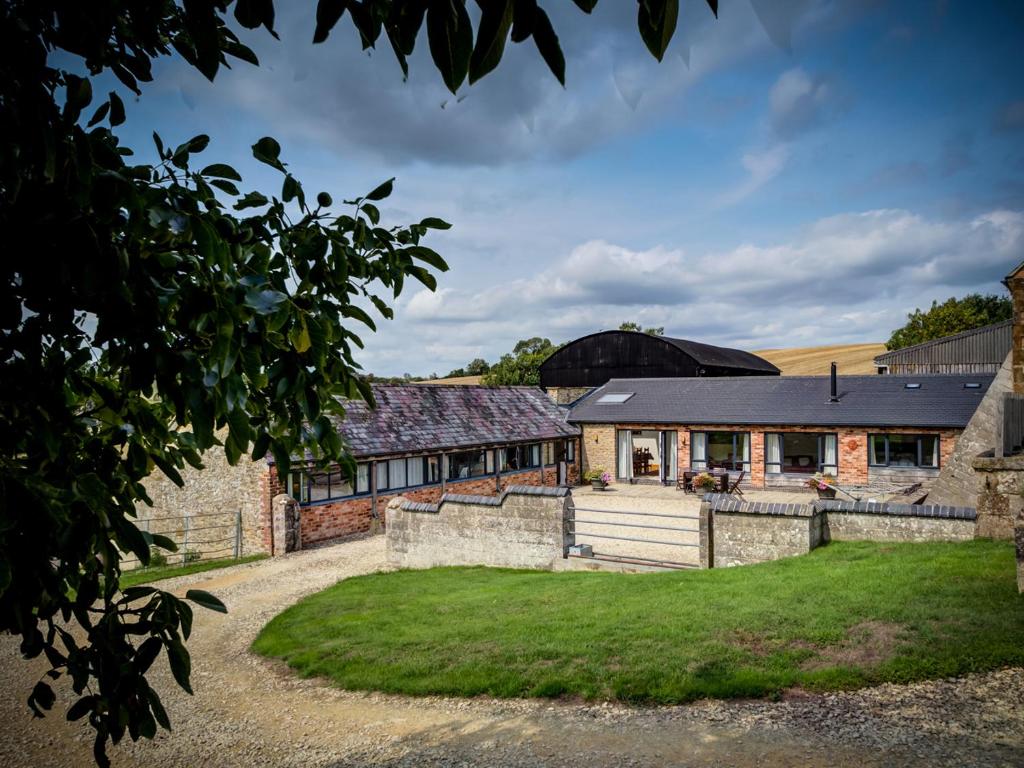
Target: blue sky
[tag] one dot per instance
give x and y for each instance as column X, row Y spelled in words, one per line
column 798, row 172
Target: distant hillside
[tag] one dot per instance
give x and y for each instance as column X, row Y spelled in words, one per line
column 452, row 380
column 814, row 361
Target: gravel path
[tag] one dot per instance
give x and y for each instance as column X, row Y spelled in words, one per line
column 250, row 712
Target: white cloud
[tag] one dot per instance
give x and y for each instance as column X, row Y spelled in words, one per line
column 761, row 167
column 797, row 102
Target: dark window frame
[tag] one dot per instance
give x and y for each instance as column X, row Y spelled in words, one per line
column 917, row 437
column 485, row 452
column 737, row 466
column 820, row 466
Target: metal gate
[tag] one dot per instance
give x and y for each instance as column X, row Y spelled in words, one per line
column 640, row 549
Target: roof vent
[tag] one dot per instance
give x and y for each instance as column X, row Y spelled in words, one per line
column 912, row 385
column 615, row 397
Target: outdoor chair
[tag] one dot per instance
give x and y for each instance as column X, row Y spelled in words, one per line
column 735, row 489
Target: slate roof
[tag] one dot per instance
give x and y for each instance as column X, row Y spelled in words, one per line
column 864, row 401
column 414, row 419
column 725, row 357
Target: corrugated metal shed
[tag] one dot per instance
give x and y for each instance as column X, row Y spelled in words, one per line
column 981, row 350
column 592, row 360
column 864, row 401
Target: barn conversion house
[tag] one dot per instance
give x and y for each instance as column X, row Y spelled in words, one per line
column 778, row 430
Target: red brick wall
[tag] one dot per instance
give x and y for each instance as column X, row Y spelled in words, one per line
column 321, row 522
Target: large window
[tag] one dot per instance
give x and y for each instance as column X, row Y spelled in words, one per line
column 645, row 454
column 408, row 473
column 800, row 453
column 903, row 451
column 720, row 450
column 312, row 487
column 516, row 457
column 558, row 451
column 470, row 464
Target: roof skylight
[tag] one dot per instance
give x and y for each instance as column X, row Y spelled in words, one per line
column 912, row 385
column 615, row 397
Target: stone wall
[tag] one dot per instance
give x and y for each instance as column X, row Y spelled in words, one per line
column 742, row 533
column 999, row 484
column 1015, row 284
column 524, row 527
column 567, row 395
column 957, row 483
column 220, row 490
column 346, row 517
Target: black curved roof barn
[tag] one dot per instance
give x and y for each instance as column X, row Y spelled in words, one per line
column 593, row 360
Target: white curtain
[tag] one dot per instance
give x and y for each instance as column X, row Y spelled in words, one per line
column 671, row 457
column 396, row 473
column 382, row 475
column 534, row 455
column 414, row 471
column 625, row 445
column 873, row 457
column 699, row 450
column 830, row 459
column 935, row 452
column 773, row 451
column 744, row 440
column 362, row 478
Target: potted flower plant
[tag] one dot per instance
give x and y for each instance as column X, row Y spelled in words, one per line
column 598, row 478
column 824, row 483
column 704, row 482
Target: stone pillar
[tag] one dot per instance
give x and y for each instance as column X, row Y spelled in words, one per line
column 1015, row 283
column 1018, row 531
column 1000, row 484
column 707, row 535
column 287, row 534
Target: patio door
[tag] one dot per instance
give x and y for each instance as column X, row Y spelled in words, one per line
column 646, row 455
column 669, row 459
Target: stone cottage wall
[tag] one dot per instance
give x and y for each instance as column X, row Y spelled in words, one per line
column 524, row 527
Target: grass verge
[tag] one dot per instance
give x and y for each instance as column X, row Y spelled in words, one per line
column 146, row 575
column 846, row 615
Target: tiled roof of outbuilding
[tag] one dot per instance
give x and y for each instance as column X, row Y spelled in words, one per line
column 864, row 401
column 411, row 419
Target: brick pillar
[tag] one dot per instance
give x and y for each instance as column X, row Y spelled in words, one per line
column 757, row 459
column 1015, row 283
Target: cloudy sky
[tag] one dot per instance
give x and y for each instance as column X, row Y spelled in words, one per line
column 798, row 172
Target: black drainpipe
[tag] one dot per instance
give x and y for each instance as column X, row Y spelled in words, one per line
column 834, row 391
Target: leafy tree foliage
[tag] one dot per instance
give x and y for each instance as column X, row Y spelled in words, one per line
column 146, row 308
column 949, row 317
column 652, row 331
column 522, row 365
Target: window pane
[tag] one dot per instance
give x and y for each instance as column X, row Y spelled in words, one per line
column 570, row 450
column 773, row 452
column 363, row 478
column 509, row 460
column 433, row 469
column 340, row 486
column 929, row 450
column 396, row 473
column 467, row 464
column 876, row 450
column 414, row 471
column 533, row 453
column 318, row 486
column 624, row 466
column 549, row 453
column 720, row 449
column 382, row 475
column 800, row 452
column 698, row 450
column 830, row 454
column 902, row 451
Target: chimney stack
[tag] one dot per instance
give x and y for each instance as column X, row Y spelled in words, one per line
column 834, row 390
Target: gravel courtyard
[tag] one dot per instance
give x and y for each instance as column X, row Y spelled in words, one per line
column 250, row 712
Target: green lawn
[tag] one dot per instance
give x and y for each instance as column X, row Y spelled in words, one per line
column 846, row 615
column 146, row 575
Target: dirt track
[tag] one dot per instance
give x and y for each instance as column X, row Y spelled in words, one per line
column 249, row 712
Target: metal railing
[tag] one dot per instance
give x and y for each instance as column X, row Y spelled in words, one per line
column 582, row 536
column 201, row 536
column 1010, row 426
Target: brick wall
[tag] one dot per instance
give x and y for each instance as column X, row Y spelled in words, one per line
column 331, row 520
column 1015, row 283
column 599, row 450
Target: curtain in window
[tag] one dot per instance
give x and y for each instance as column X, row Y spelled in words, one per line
column 534, row 455
column 488, row 462
column 744, row 449
column 362, row 478
column 671, row 457
column 414, row 471
column 382, row 475
column 935, row 452
column 773, row 451
column 396, row 473
column 876, row 449
column 625, row 455
column 699, row 450
column 830, row 459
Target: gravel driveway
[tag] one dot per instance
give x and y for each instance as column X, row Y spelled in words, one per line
column 248, row 712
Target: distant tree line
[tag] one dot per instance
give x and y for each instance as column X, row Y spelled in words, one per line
column 951, row 316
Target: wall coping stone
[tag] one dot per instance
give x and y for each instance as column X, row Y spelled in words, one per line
column 896, row 510
column 987, row 462
column 723, row 502
column 487, row 501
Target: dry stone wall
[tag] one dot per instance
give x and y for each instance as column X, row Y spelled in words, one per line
column 524, row 527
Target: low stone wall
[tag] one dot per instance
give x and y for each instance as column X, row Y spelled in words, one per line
column 872, row 521
column 1000, row 488
column 524, row 527
column 742, row 533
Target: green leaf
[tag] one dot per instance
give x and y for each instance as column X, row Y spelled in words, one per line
column 41, row 697
column 450, row 35
column 586, row 5
column 251, row 200
column 81, row 708
column 358, row 314
column 434, row 223
column 265, row 301
column 433, row 258
column 181, row 664
column 522, row 20
column 268, row 151
column 492, row 32
column 383, row 191
column 164, row 542
column 99, row 114
column 299, row 336
column 221, row 171
column 328, row 12
column 145, row 656
column 290, row 189
column 657, row 22
column 206, row 600
column 116, row 109
column 546, row 40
